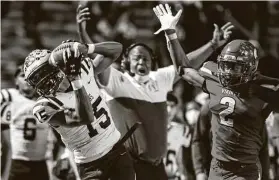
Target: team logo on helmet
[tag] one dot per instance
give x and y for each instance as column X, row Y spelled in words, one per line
column 33, row 56
column 237, row 63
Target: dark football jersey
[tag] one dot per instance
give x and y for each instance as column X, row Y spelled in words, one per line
column 237, row 123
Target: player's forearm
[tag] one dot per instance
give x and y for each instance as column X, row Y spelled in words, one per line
column 191, row 76
column 269, row 96
column 177, row 53
column 109, row 49
column 83, row 34
column 83, row 106
column 193, row 59
column 200, row 55
column 267, row 80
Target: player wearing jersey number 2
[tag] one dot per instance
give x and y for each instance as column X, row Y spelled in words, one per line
column 74, row 107
column 238, row 102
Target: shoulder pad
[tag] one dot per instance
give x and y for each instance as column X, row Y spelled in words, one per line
column 209, row 71
column 8, row 95
column 46, row 107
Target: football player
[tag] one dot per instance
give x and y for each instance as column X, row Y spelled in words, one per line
column 238, row 102
column 139, row 95
column 72, row 104
column 28, row 138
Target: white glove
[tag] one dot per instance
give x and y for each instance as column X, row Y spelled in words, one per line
column 167, row 20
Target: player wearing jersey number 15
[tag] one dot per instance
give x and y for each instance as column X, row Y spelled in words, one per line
column 238, row 101
column 72, row 104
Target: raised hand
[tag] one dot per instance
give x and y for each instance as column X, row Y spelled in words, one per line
column 72, row 63
column 221, row 36
column 83, row 14
column 167, row 20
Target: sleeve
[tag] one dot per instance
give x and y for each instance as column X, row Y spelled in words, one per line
column 45, row 109
column 167, row 76
column 116, row 79
column 6, row 99
column 209, row 71
column 201, row 145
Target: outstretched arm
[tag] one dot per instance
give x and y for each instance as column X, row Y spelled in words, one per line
column 178, row 56
column 107, row 52
column 197, row 57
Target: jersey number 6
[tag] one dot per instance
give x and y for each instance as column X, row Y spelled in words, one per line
column 230, row 102
column 29, row 133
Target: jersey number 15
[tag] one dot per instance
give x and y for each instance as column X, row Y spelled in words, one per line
column 98, row 113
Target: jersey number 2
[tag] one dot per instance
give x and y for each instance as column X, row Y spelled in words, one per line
column 29, row 133
column 230, row 102
column 98, row 113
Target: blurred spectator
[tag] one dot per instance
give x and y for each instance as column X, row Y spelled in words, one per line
column 191, row 113
column 179, row 138
column 273, row 129
column 201, row 144
column 172, row 109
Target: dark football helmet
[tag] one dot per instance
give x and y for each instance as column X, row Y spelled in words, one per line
column 44, row 77
column 237, row 63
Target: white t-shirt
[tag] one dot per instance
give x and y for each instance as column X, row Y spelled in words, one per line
column 130, row 102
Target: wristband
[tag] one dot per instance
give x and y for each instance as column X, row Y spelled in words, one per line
column 172, row 36
column 214, row 46
column 76, row 84
column 91, row 48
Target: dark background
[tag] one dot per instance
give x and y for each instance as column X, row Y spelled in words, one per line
column 27, row 25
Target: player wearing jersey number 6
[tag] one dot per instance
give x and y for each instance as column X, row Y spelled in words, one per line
column 72, row 104
column 238, row 101
column 28, row 139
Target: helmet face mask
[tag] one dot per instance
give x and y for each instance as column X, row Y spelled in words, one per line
column 44, row 77
column 237, row 63
column 232, row 73
column 47, row 81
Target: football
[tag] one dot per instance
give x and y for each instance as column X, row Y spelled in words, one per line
column 56, row 57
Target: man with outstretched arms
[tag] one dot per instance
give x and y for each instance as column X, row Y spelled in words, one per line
column 139, row 95
column 28, row 138
column 238, row 101
column 72, row 104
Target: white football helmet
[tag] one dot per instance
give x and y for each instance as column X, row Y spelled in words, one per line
column 44, row 77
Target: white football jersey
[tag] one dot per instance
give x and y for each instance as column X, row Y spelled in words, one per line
column 29, row 139
column 88, row 142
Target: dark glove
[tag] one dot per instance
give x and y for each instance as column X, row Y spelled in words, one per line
column 72, row 63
